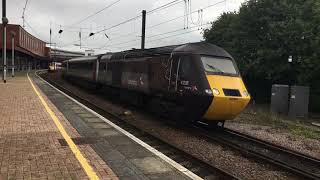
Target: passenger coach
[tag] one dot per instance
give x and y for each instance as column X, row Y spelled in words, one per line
column 190, row 82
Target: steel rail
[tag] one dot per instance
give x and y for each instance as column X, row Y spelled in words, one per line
column 296, row 162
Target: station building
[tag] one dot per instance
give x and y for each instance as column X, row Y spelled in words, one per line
column 29, row 51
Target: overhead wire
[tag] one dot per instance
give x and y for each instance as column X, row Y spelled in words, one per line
column 131, row 19
column 39, row 36
column 170, row 20
column 172, row 3
column 138, row 16
column 125, row 35
column 23, row 12
column 162, row 38
column 169, row 32
column 88, row 17
column 96, row 13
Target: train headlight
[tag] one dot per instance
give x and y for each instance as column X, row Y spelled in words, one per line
column 208, row 91
column 215, row 91
column 245, row 93
column 212, row 92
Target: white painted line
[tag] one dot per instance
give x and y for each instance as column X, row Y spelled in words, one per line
column 176, row 165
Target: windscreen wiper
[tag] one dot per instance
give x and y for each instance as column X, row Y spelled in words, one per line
column 214, row 68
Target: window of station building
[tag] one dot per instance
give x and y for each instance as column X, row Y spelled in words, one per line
column 33, row 44
column 24, row 40
column 20, row 36
column 21, row 39
column 28, row 43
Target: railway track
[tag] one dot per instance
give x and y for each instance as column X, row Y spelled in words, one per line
column 298, row 163
column 197, row 166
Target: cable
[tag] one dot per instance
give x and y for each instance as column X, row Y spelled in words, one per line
column 110, row 5
column 196, row 11
column 23, row 11
column 173, row 35
column 172, row 3
column 126, row 21
column 197, row 26
column 177, row 30
column 148, row 12
column 138, row 16
column 161, row 38
column 33, row 30
column 170, row 20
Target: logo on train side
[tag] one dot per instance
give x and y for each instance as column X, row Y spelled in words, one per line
column 132, row 82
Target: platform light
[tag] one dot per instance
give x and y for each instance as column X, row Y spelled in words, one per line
column 60, row 31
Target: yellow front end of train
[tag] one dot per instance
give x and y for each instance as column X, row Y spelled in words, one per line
column 230, row 97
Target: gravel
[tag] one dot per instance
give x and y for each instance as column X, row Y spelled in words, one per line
column 280, row 137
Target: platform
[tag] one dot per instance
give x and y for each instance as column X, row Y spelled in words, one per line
column 33, row 145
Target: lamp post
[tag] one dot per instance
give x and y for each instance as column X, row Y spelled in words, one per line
column 4, row 38
column 12, row 42
column 290, row 61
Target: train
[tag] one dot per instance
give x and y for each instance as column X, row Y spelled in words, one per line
column 187, row 82
column 54, row 66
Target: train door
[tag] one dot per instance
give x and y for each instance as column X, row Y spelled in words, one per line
column 174, row 73
column 102, row 71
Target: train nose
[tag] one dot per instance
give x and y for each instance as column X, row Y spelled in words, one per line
column 230, row 97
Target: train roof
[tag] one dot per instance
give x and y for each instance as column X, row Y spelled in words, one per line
column 202, row 48
column 83, row 59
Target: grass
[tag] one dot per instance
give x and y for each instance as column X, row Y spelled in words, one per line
column 305, row 132
column 261, row 115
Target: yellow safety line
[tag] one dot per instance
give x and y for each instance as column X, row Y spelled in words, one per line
column 84, row 163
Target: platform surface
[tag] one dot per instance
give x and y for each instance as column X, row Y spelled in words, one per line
column 31, row 145
column 30, row 141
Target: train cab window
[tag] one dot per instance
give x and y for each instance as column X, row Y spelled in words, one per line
column 218, row 65
column 185, row 68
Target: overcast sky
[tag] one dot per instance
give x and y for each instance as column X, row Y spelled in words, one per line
column 66, row 15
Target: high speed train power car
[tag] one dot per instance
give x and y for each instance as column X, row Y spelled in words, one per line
column 190, row 82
